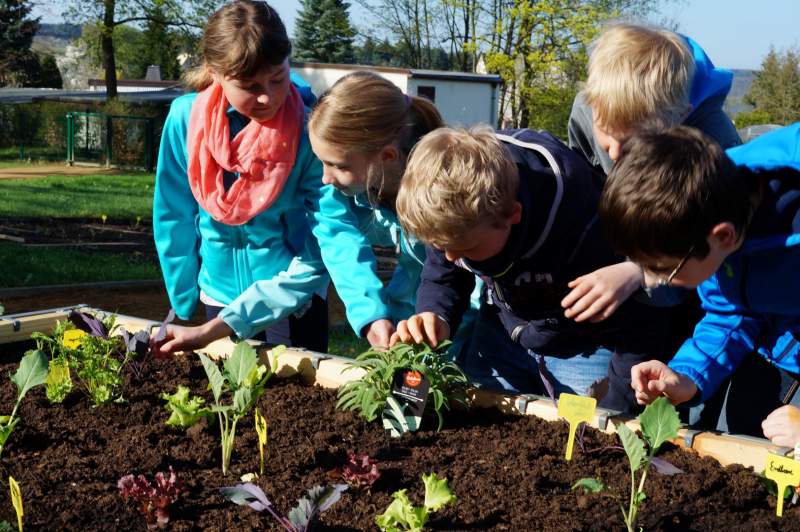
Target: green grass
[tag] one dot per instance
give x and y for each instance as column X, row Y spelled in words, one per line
column 23, row 266
column 343, row 341
column 117, row 196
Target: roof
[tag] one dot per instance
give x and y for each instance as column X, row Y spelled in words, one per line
column 165, row 83
column 29, row 95
column 409, row 72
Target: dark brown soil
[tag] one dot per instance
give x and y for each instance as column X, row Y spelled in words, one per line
column 508, row 473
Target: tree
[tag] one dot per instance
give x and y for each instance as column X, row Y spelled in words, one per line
column 161, row 47
column 324, row 33
column 16, row 36
column 188, row 15
column 775, row 92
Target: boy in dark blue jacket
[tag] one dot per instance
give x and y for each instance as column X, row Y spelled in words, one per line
column 693, row 216
column 519, row 209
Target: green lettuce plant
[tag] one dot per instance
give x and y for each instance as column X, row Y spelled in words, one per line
column 402, row 515
column 659, row 423
column 32, row 372
column 185, row 411
column 368, row 394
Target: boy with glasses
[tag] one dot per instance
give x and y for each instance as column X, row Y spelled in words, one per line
column 692, row 215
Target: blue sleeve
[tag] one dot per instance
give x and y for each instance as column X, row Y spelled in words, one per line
column 174, row 214
column 346, row 251
column 722, row 339
column 444, row 289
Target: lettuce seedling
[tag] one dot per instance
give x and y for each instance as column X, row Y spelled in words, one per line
column 245, row 379
column 302, row 518
column 185, row 412
column 369, row 393
column 32, row 372
column 402, row 515
column 659, row 423
column 153, row 499
column 360, row 472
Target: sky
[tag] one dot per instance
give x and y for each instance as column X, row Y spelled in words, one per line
column 734, row 33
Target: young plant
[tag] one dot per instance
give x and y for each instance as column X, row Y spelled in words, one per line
column 360, row 472
column 16, row 500
column 260, row 423
column 402, row 515
column 185, row 412
column 368, row 394
column 32, row 372
column 302, row 518
column 245, row 379
column 659, row 423
column 153, row 499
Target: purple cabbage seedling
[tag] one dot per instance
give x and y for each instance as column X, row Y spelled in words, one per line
column 153, row 499
column 301, row 518
column 659, row 422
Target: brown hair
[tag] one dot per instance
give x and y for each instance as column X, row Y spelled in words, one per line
column 240, row 39
column 668, row 190
column 364, row 112
column 456, row 180
column 639, row 77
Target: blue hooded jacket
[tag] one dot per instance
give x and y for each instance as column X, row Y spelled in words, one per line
column 751, row 302
column 710, row 87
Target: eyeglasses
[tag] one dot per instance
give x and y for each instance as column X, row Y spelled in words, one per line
column 667, row 281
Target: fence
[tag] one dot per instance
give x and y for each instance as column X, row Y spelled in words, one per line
column 110, row 140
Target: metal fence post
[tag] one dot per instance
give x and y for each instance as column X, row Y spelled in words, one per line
column 70, row 127
column 109, row 139
column 148, row 145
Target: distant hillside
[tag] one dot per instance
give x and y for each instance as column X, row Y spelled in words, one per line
column 59, row 31
column 742, row 79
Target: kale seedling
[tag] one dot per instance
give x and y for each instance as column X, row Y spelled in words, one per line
column 659, row 423
column 360, row 472
column 245, row 379
column 302, row 518
column 153, row 499
column 369, row 393
column 32, row 372
column 402, row 515
column 260, row 423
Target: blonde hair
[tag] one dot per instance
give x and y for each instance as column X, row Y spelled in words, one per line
column 240, row 39
column 456, row 180
column 639, row 77
column 364, row 112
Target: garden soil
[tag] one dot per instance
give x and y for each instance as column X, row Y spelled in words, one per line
column 508, row 472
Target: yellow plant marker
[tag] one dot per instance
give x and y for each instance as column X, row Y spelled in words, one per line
column 785, row 472
column 16, row 500
column 73, row 338
column 261, row 430
column 576, row 410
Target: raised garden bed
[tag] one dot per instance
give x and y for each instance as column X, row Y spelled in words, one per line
column 508, row 472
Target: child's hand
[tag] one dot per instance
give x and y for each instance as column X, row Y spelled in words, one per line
column 179, row 338
column 426, row 327
column 782, row 426
column 653, row 379
column 379, row 333
column 597, row 295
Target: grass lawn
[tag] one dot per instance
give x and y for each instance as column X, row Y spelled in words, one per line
column 45, row 266
column 116, row 196
column 342, row 341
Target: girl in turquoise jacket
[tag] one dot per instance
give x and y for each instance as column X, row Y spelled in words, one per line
column 239, row 192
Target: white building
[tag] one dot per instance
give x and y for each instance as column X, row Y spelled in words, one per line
column 462, row 98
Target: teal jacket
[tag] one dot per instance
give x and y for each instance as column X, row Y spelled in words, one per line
column 271, row 266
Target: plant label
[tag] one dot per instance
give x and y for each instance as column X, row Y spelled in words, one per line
column 576, row 410
column 410, row 387
column 785, row 472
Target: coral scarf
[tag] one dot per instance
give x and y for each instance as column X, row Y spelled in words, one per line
column 263, row 153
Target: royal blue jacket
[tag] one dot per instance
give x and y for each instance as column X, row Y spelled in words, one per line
column 271, row 266
column 710, row 87
column 752, row 302
column 558, row 239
